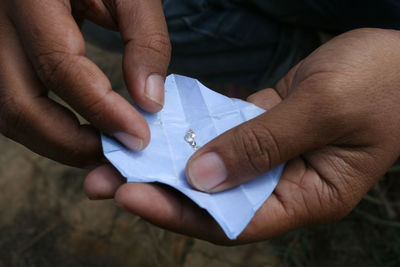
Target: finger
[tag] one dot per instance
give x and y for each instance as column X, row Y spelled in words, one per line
column 95, row 11
column 147, row 50
column 255, row 147
column 103, row 182
column 30, row 118
column 168, row 209
column 57, row 51
column 171, row 210
column 285, row 85
column 266, row 99
column 147, row 46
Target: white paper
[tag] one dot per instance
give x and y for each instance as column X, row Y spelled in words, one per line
column 189, row 105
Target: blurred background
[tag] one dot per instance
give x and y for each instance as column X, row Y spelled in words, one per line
column 46, row 220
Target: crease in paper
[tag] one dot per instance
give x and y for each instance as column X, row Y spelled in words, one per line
column 190, row 105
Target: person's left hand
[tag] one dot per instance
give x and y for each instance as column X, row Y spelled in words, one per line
column 338, row 128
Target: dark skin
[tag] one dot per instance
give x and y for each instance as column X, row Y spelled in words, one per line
column 333, row 117
column 43, row 49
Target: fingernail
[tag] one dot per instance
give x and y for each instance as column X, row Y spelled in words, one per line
column 130, row 141
column 207, row 171
column 154, row 89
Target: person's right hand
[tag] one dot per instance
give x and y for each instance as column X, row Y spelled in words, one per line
column 335, row 119
column 42, row 50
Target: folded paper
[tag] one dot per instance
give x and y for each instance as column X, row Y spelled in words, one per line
column 192, row 116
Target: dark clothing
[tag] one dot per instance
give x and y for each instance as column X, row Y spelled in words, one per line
column 255, row 42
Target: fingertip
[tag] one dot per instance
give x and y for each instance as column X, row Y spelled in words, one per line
column 206, row 172
column 102, row 182
column 130, row 141
column 139, row 139
column 149, row 201
column 148, row 94
column 122, row 195
column 135, row 196
column 164, row 208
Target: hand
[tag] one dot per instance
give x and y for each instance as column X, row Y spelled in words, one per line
column 42, row 49
column 337, row 126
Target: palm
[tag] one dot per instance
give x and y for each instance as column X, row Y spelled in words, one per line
column 302, row 196
column 335, row 114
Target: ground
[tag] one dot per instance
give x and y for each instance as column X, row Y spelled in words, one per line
column 46, row 220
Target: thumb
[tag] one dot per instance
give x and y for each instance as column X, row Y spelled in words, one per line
column 147, row 50
column 257, row 146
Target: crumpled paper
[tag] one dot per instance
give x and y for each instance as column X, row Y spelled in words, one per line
column 189, row 105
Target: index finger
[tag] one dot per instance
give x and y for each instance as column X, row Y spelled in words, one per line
column 56, row 50
column 147, row 50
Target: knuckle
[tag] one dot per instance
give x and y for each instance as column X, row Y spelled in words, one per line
column 48, row 67
column 258, row 146
column 158, row 43
column 54, row 68
column 11, row 116
column 95, row 107
column 53, row 60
